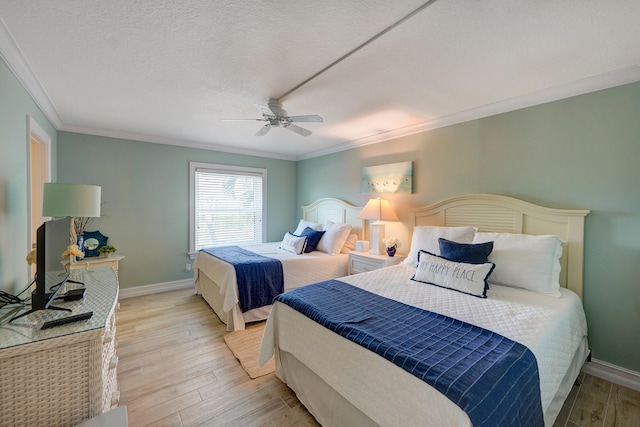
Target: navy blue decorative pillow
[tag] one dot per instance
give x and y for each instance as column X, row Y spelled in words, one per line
column 472, row 253
column 313, row 237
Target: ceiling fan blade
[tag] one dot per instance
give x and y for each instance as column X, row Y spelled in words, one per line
column 264, row 129
column 299, row 130
column 264, row 110
column 312, row 118
column 276, row 107
column 243, row 120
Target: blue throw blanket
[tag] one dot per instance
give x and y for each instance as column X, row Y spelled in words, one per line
column 492, row 378
column 260, row 279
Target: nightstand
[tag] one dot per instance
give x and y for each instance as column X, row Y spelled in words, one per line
column 361, row 262
column 96, row 261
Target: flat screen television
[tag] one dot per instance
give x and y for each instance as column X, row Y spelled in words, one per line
column 52, row 241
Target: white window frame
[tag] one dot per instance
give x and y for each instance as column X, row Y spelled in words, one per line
column 38, row 172
column 212, row 167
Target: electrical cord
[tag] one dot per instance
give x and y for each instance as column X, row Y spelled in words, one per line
column 9, row 299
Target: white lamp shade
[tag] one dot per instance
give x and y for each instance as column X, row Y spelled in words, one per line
column 74, row 200
column 378, row 209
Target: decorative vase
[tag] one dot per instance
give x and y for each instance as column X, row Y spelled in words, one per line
column 391, row 251
column 80, row 243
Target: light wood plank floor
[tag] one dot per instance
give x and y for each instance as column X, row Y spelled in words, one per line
column 175, row 370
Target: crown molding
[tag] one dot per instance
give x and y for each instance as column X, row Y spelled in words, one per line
column 132, row 136
column 579, row 87
column 15, row 60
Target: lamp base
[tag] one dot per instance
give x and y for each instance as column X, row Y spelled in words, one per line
column 377, row 234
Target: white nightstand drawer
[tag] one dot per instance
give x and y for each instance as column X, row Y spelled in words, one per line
column 361, row 262
column 362, row 266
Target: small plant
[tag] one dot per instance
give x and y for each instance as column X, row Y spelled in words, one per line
column 107, row 250
column 391, row 242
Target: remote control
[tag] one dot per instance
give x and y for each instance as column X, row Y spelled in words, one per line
column 65, row 320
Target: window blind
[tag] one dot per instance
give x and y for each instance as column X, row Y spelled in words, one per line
column 227, row 207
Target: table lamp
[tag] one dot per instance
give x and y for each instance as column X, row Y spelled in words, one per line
column 378, row 210
column 72, row 200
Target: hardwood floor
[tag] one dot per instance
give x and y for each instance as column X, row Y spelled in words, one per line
column 175, row 370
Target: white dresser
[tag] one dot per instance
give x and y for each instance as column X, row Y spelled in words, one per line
column 66, row 374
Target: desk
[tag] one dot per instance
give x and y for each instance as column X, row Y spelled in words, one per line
column 67, row 374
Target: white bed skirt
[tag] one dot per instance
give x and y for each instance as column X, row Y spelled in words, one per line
column 413, row 402
column 235, row 319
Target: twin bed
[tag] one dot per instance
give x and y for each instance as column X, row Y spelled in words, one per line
column 216, row 279
column 343, row 382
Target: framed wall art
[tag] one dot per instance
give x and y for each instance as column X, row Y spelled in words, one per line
column 391, row 178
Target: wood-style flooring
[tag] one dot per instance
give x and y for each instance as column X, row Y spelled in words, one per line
column 175, row 370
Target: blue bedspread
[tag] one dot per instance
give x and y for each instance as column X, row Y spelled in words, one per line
column 260, row 279
column 492, row 378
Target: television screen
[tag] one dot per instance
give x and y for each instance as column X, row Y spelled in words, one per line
column 52, row 242
column 56, row 241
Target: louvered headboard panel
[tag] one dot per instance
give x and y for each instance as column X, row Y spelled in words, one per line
column 495, row 213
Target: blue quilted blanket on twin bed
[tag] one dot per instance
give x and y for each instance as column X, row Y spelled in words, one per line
column 260, row 279
column 492, row 378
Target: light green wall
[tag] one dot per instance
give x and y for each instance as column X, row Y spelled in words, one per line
column 15, row 107
column 582, row 152
column 145, row 188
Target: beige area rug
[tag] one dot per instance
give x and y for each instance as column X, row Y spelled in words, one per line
column 245, row 346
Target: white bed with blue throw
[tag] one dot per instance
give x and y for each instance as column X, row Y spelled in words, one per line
column 240, row 282
column 482, row 325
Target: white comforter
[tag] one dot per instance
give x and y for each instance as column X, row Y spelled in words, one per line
column 552, row 328
column 298, row 270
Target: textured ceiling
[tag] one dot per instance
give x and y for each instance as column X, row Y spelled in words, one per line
column 171, row 71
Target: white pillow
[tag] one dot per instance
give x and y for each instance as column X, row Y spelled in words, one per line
column 525, row 261
column 425, row 237
column 304, row 224
column 462, row 277
column 293, row 244
column 350, row 243
column 334, row 237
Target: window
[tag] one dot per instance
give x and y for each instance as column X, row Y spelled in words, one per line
column 226, row 205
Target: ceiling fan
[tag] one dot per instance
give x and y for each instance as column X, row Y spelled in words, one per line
column 274, row 115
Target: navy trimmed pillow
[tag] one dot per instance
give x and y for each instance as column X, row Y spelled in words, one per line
column 463, row 277
column 292, row 243
column 313, row 238
column 473, row 253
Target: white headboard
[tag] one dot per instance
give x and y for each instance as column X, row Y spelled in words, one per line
column 494, row 213
column 336, row 210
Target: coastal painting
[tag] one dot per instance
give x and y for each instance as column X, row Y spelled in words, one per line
column 394, row 178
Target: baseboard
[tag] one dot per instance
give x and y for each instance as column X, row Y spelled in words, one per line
column 615, row 374
column 155, row 288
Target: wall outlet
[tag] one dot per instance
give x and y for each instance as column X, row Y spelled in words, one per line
column 187, row 267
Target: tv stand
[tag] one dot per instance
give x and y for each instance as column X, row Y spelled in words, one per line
column 67, row 374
